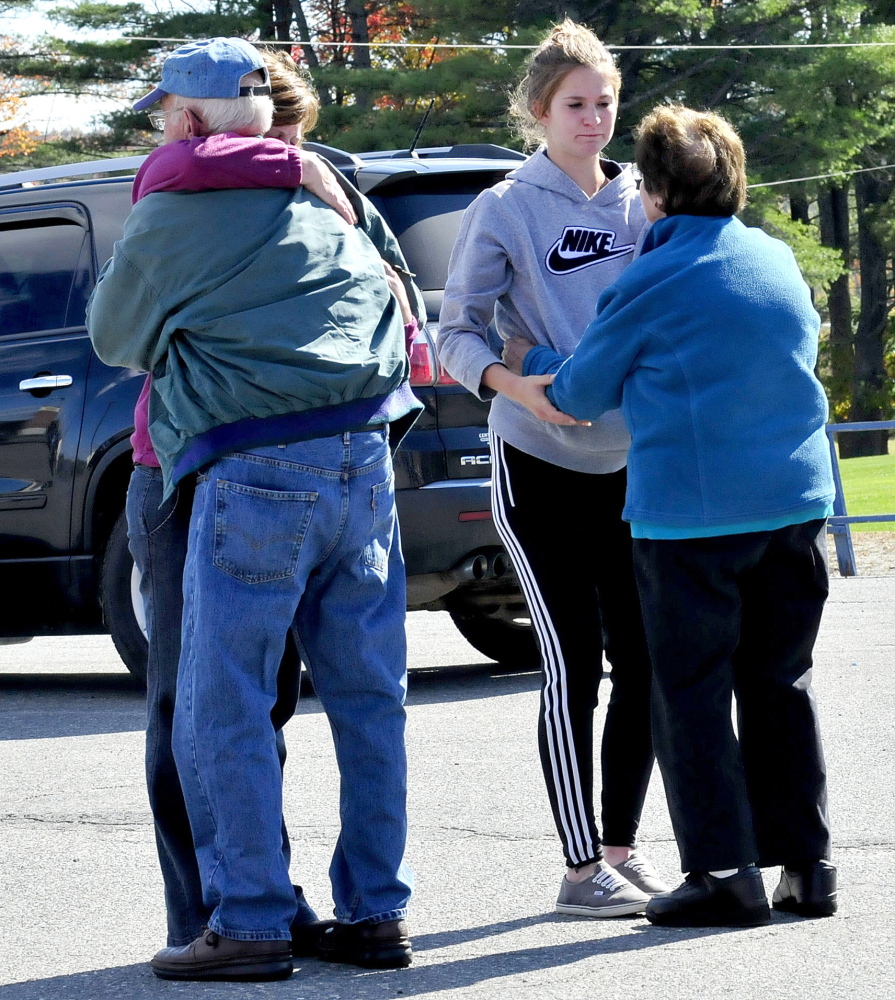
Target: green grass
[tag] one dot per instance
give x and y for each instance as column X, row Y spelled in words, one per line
column 869, row 485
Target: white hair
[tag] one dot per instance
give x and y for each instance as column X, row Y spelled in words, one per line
column 246, row 115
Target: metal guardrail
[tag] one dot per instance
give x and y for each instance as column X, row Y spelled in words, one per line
column 839, row 525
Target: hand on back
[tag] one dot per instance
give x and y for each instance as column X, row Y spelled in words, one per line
column 514, row 351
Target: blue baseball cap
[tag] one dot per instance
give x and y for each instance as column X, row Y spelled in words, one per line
column 209, row 69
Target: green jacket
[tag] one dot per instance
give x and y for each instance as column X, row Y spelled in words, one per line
column 247, row 305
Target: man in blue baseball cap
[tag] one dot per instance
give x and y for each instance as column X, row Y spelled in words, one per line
column 279, row 384
column 212, row 68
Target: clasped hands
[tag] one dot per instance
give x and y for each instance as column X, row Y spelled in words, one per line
column 529, row 390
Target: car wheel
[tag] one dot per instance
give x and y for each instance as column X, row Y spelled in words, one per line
column 511, row 642
column 121, row 601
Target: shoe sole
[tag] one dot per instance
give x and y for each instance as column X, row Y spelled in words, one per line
column 261, row 972
column 622, row 910
column 827, row 909
column 748, row 918
column 386, row 958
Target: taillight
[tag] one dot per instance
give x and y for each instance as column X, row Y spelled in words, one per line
column 425, row 368
column 423, row 364
column 443, row 377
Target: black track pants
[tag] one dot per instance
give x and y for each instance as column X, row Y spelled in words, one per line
column 572, row 552
column 737, row 616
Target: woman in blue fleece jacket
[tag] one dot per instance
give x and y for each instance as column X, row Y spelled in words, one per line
column 708, row 343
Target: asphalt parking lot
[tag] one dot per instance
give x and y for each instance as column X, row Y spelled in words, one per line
column 80, row 897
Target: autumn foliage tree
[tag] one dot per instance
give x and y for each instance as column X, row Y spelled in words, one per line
column 16, row 139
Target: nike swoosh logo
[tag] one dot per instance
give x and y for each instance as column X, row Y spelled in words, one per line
column 559, row 263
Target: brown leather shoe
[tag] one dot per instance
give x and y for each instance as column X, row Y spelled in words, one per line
column 374, row 946
column 212, row 957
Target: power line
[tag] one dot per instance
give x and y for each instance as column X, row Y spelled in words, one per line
column 787, row 45
column 500, row 45
column 820, row 177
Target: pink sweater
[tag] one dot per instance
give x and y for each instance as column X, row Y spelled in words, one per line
column 218, row 162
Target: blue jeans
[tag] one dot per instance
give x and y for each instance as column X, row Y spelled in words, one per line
column 158, row 535
column 302, row 534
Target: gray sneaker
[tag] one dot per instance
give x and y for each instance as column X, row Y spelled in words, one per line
column 605, row 894
column 641, row 874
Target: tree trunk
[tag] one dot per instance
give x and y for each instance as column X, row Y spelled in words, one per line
column 834, row 233
column 798, row 208
column 869, row 397
column 798, row 212
column 304, row 36
column 282, row 18
column 360, row 57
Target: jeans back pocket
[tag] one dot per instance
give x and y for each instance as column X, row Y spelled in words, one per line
column 258, row 533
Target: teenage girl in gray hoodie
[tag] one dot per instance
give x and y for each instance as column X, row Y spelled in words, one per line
column 534, row 253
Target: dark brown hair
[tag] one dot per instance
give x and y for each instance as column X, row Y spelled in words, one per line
column 293, row 96
column 569, row 46
column 694, row 160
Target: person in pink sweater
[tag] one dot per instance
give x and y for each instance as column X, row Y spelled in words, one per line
column 158, row 530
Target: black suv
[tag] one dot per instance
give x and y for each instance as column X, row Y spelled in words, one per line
column 65, row 417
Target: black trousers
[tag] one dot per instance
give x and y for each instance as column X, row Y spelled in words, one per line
column 737, row 616
column 572, row 552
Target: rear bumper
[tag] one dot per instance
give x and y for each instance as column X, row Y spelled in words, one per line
column 443, row 525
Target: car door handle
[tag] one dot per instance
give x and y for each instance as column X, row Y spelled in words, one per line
column 45, row 382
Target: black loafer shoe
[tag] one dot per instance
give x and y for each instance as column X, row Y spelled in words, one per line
column 808, row 891
column 212, row 957
column 373, row 946
column 705, row 901
column 306, row 937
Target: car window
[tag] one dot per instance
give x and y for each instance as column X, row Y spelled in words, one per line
column 425, row 213
column 45, row 275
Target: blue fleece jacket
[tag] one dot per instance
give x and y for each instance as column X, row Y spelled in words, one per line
column 708, row 342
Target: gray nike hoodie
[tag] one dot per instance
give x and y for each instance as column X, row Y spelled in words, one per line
column 534, row 253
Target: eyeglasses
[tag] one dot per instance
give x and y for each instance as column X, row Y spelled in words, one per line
column 157, row 120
